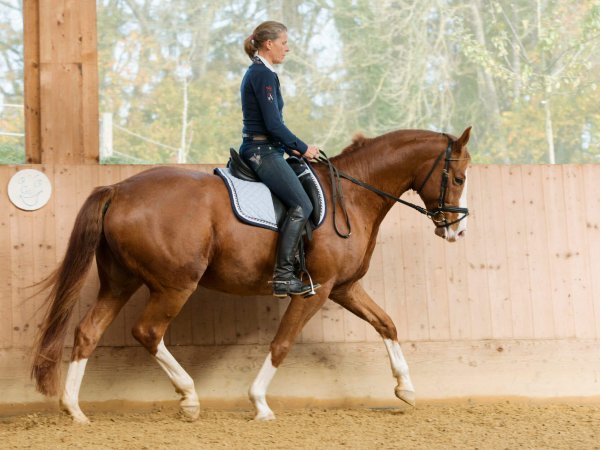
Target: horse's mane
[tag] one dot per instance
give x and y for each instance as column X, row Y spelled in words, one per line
column 358, row 141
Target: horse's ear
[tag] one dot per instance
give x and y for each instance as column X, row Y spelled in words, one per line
column 462, row 141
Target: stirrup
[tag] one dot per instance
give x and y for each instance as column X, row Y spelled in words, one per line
column 313, row 286
column 283, row 288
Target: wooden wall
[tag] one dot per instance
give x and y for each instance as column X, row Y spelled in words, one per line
column 525, row 271
column 514, row 308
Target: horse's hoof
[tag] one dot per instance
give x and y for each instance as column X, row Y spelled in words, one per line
column 190, row 412
column 75, row 412
column 189, row 407
column 406, row 396
column 80, row 419
column 264, row 416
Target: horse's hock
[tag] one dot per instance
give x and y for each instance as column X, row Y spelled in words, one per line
column 512, row 310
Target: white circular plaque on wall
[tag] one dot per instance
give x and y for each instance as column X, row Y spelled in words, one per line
column 29, row 189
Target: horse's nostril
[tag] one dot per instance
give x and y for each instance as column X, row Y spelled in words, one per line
column 462, row 233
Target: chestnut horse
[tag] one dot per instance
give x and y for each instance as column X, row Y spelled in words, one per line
column 172, row 229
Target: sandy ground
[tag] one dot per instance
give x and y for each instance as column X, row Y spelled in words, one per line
column 465, row 425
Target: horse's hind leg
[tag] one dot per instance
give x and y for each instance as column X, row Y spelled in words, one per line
column 149, row 331
column 356, row 300
column 116, row 287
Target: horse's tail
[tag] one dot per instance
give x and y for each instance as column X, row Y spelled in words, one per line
column 66, row 282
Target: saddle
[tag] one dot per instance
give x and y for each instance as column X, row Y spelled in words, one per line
column 254, row 204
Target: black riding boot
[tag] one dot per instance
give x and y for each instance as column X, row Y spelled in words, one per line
column 285, row 281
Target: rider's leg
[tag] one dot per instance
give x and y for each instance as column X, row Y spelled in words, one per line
column 270, row 166
column 285, row 281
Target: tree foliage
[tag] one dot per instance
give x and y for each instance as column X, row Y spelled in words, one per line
column 524, row 73
column 11, row 83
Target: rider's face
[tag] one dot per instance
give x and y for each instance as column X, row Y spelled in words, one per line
column 278, row 48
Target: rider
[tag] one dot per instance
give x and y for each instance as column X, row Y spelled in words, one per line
column 265, row 139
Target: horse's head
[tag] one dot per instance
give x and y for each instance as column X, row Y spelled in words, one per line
column 441, row 182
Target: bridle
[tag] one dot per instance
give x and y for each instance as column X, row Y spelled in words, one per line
column 437, row 215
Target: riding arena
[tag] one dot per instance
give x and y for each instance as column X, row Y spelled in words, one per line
column 462, row 311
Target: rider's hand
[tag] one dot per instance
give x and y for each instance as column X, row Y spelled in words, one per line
column 311, row 152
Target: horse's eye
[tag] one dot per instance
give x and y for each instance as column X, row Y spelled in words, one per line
column 459, row 181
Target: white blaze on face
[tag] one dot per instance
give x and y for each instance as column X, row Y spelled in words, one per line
column 461, row 227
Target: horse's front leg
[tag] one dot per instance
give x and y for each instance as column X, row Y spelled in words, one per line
column 299, row 311
column 258, row 389
column 356, row 300
column 405, row 390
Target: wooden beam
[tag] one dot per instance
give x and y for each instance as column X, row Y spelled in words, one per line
column 31, row 33
column 61, row 74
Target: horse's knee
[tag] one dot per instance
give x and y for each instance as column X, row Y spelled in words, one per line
column 387, row 329
column 148, row 336
column 382, row 323
column 85, row 342
column 279, row 350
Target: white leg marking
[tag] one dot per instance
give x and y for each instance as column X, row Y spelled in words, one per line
column 258, row 390
column 184, row 385
column 404, row 390
column 70, row 397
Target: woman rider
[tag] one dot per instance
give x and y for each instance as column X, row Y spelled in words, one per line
column 266, row 139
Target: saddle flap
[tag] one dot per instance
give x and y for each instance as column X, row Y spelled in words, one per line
column 304, row 174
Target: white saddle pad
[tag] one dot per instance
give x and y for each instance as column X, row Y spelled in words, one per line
column 253, row 203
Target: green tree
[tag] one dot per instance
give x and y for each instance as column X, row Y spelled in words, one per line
column 12, row 125
column 523, row 74
column 541, row 60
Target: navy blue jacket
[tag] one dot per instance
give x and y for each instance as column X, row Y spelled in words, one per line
column 262, row 106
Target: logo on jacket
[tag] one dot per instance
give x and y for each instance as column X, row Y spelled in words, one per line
column 269, row 90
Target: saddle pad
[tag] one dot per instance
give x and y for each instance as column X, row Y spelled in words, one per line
column 252, row 201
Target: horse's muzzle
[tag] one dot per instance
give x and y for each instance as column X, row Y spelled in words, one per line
column 449, row 234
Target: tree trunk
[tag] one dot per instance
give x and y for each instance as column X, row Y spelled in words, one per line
column 548, row 127
column 487, row 86
column 182, row 152
column 547, row 89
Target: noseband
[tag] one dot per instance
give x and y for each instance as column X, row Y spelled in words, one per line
column 437, row 215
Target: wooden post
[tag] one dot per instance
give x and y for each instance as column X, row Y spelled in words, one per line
column 61, row 81
column 31, row 34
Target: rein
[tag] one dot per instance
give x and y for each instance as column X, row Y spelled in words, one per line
column 437, row 215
